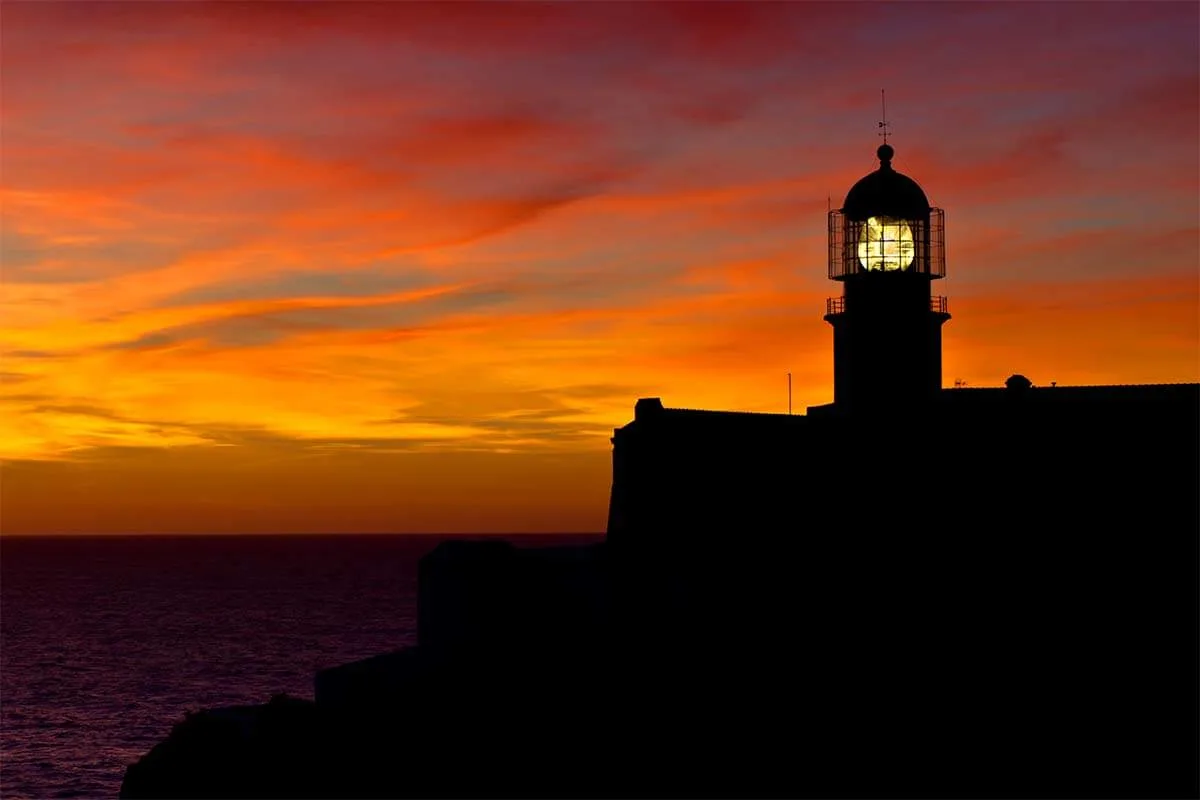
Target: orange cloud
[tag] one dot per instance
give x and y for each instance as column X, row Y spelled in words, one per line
column 405, row 266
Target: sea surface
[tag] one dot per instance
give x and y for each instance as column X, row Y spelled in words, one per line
column 106, row 642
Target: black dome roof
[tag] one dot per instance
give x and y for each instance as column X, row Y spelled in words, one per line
column 886, row 192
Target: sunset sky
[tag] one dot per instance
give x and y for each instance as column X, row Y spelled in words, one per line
column 297, row 267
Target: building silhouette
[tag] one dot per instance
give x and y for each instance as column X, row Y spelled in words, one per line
column 911, row 591
column 1008, row 575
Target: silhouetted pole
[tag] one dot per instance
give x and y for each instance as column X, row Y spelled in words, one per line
column 884, row 123
column 789, row 393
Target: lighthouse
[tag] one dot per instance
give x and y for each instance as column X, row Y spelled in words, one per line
column 886, row 247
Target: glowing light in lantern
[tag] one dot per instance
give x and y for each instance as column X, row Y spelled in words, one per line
column 886, row 244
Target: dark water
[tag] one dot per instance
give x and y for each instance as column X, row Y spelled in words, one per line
column 106, row 642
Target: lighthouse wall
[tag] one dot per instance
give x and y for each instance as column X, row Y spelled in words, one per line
column 990, row 461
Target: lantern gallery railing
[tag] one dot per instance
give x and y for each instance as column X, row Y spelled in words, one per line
column 887, row 244
column 837, row 305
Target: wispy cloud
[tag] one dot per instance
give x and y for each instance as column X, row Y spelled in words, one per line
column 291, row 237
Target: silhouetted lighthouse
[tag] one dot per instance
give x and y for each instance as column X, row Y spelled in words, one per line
column 886, row 246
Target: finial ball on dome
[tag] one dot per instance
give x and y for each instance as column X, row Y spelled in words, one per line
column 885, row 153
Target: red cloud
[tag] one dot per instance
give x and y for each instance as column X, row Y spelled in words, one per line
column 641, row 188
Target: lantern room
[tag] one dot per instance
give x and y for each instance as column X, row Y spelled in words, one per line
column 886, row 225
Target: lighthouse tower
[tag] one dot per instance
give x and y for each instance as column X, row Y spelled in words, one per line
column 886, row 247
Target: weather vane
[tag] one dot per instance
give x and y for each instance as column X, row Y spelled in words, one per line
column 883, row 123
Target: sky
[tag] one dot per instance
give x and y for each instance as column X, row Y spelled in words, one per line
column 363, row 267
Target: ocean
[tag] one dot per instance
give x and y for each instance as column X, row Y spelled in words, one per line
column 106, row 642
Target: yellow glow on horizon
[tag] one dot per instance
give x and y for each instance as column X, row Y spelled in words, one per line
column 886, row 244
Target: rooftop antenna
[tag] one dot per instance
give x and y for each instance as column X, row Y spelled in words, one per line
column 789, row 394
column 883, row 123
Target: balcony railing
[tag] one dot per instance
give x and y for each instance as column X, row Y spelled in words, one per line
column 837, row 305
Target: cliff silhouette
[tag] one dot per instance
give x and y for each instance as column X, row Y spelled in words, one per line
column 996, row 596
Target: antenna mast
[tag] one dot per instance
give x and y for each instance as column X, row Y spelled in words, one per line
column 883, row 123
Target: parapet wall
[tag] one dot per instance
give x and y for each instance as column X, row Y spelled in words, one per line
column 1041, row 456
